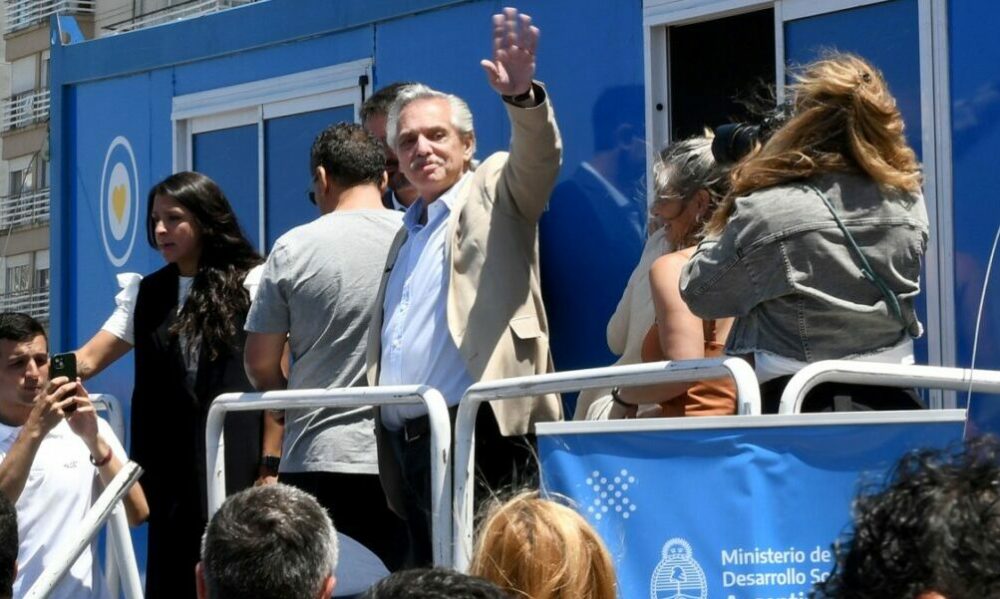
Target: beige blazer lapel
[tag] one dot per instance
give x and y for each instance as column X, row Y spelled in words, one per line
column 374, row 349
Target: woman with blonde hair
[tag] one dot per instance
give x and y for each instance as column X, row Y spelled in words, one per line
column 689, row 185
column 537, row 548
column 817, row 248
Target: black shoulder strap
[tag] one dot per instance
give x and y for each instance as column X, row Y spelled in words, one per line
column 866, row 270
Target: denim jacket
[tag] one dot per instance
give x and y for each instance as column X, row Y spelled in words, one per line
column 782, row 268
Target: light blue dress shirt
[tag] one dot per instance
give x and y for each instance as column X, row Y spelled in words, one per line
column 417, row 347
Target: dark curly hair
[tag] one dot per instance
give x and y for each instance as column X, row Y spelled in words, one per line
column 934, row 528
column 218, row 303
column 349, row 154
column 433, row 583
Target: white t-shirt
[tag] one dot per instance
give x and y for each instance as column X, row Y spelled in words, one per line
column 62, row 485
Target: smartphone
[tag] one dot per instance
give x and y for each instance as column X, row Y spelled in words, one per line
column 64, row 365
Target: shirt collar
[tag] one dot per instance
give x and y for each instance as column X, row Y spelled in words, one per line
column 441, row 206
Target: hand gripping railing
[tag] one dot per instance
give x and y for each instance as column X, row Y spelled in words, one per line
column 108, row 505
column 747, row 394
column 354, row 397
column 888, row 375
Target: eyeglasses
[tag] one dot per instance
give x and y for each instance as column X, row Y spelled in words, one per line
column 310, row 193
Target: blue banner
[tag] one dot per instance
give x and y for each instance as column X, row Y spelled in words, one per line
column 727, row 513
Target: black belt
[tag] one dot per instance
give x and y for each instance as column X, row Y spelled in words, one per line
column 415, row 428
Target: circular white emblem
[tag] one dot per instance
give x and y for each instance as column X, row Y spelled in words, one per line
column 119, row 201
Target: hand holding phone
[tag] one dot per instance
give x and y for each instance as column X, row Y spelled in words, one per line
column 64, row 365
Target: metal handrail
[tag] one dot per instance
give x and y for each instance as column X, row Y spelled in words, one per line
column 108, row 506
column 24, row 208
column 25, row 109
column 747, row 393
column 34, row 302
column 886, row 375
column 355, row 397
column 22, row 14
column 186, row 10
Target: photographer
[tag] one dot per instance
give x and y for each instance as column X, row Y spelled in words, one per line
column 817, row 249
column 54, row 450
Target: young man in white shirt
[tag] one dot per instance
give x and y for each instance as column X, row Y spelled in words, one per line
column 56, row 456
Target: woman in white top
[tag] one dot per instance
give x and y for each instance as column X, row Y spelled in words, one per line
column 186, row 325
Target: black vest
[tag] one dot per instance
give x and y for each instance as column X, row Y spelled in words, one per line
column 169, row 415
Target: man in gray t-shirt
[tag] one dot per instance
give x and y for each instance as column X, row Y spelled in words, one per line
column 317, row 289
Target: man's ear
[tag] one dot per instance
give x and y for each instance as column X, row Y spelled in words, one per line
column 199, row 577
column 321, row 179
column 384, row 183
column 327, row 590
column 469, row 141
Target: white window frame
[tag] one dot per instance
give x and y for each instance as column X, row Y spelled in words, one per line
column 658, row 15
column 257, row 101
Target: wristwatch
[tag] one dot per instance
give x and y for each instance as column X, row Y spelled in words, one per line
column 270, row 463
column 519, row 99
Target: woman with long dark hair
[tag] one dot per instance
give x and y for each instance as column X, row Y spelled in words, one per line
column 816, row 250
column 185, row 322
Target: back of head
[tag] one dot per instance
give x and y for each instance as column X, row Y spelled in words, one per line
column 380, row 102
column 535, row 547
column 8, row 544
column 350, row 155
column 934, row 529
column 18, row 327
column 270, row 542
column 433, row 583
column 687, row 166
column 844, row 118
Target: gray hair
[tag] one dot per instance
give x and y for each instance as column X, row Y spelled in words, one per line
column 268, row 542
column 461, row 116
column 686, row 166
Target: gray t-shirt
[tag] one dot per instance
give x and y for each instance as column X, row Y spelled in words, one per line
column 319, row 285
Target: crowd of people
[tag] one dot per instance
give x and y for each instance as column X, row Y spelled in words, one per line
column 422, row 268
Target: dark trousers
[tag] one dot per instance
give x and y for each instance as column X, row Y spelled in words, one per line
column 502, row 464
column 841, row 397
column 357, row 506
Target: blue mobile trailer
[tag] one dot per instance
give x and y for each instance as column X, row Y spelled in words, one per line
column 240, row 95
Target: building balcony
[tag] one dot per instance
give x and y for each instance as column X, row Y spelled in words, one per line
column 177, row 12
column 34, row 302
column 25, row 109
column 22, row 14
column 29, row 208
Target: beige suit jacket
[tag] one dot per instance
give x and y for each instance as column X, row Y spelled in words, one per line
column 495, row 311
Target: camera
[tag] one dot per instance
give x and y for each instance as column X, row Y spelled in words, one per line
column 733, row 141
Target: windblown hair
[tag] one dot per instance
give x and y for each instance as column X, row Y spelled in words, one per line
column 461, row 116
column 218, row 303
column 843, row 118
column 686, row 167
column 934, row 528
column 537, row 548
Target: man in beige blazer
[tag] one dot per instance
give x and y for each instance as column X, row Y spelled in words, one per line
column 460, row 300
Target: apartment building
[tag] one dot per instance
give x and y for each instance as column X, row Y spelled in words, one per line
column 24, row 126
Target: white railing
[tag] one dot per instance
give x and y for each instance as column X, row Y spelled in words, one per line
column 747, row 394
column 24, row 209
column 32, row 302
column 887, row 375
column 354, row 397
column 108, row 506
column 112, row 408
column 25, row 109
column 176, row 12
column 25, row 13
